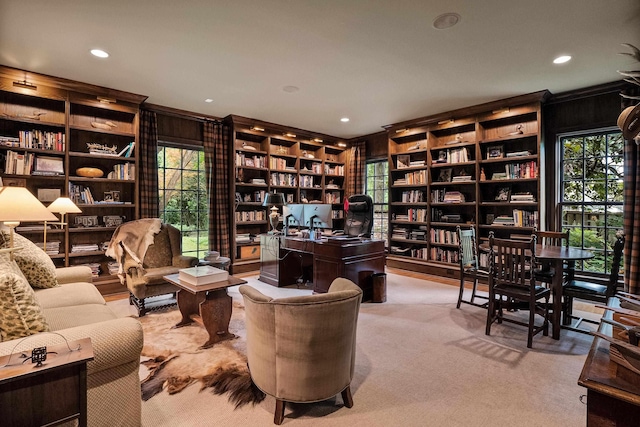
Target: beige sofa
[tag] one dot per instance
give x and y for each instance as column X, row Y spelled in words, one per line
column 77, row 310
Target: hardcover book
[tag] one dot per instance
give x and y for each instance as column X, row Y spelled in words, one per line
column 203, row 275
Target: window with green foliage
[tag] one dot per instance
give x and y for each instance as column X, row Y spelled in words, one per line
column 377, row 188
column 183, row 196
column 591, row 193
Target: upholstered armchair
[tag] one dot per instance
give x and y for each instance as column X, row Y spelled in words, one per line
column 302, row 349
column 148, row 250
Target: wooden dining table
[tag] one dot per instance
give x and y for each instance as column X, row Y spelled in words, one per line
column 556, row 256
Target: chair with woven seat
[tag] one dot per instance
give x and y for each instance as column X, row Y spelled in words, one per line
column 589, row 291
column 510, row 278
column 469, row 266
column 302, row 349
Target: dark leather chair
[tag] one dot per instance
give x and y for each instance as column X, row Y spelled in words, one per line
column 591, row 291
column 359, row 219
column 512, row 285
column 469, row 266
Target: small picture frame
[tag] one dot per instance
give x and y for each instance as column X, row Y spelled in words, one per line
column 490, row 218
column 108, row 196
column 115, row 195
column 49, row 165
column 495, row 152
column 248, row 162
column 503, row 194
column 404, row 161
column 445, row 175
column 442, row 156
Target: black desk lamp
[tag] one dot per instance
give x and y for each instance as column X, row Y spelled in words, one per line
column 275, row 200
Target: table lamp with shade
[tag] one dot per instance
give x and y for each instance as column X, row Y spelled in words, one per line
column 18, row 205
column 274, row 200
column 63, row 206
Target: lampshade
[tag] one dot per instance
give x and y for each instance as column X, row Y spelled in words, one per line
column 17, row 204
column 63, row 205
column 274, row 199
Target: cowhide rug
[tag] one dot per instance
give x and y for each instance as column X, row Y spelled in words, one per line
column 174, row 360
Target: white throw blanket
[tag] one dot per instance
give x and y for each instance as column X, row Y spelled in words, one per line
column 133, row 239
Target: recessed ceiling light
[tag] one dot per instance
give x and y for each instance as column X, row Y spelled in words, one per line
column 344, row 119
column 446, row 20
column 291, row 89
column 208, row 100
column 562, row 59
column 99, row 53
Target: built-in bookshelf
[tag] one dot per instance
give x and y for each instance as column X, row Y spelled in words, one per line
column 51, row 133
column 474, row 167
column 305, row 167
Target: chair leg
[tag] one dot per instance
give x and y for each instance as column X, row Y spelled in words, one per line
column 346, row 397
column 490, row 314
column 278, row 417
column 461, row 290
column 473, row 290
column 532, row 324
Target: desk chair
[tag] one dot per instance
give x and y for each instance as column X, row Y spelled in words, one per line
column 545, row 273
column 591, row 291
column 510, row 277
column 469, row 266
column 359, row 220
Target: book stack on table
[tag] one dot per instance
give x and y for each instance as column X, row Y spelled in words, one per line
column 203, row 275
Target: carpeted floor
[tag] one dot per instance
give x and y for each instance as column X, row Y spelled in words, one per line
column 420, row 362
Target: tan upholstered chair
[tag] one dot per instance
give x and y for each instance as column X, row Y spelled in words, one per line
column 302, row 349
column 162, row 257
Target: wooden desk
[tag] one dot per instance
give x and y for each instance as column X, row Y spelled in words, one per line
column 53, row 393
column 613, row 392
column 284, row 258
column 208, row 305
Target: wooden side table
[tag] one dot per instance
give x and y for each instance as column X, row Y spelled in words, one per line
column 53, row 393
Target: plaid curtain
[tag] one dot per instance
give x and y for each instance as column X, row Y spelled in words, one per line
column 148, row 165
column 631, row 208
column 216, row 146
column 356, row 168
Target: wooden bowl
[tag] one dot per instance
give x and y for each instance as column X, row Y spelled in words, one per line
column 89, row 172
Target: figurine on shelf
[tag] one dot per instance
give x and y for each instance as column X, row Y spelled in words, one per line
column 483, row 177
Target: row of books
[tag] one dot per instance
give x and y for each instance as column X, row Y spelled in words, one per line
column 287, row 179
column 419, row 215
column 440, row 235
column 80, row 194
column 19, row 163
column 123, row 171
column 42, row 140
column 442, row 195
column 307, row 181
column 257, row 161
column 332, row 197
column 315, row 168
column 412, row 196
column 278, row 163
column 521, row 170
column 242, row 216
column 453, row 155
column 413, row 178
column 444, row 255
column 334, row 170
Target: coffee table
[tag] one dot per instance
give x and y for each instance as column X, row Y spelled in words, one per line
column 208, row 305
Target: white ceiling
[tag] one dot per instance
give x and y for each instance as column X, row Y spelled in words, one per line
column 376, row 62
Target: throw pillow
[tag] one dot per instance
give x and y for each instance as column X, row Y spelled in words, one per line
column 20, row 313
column 35, row 264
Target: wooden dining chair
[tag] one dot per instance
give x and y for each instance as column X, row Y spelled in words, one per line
column 469, row 266
column 511, row 282
column 589, row 291
column 544, row 272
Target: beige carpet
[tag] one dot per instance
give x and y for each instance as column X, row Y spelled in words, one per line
column 419, row 362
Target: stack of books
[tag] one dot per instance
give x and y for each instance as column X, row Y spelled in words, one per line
column 53, row 247
column 400, row 233
column 503, row 220
column 453, row 197
column 243, row 238
column 522, row 197
column 204, row 275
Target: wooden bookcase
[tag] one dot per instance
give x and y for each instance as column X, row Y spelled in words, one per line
column 272, row 158
column 473, row 167
column 65, row 116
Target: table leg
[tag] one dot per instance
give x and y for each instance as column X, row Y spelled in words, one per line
column 188, row 305
column 215, row 312
column 557, row 299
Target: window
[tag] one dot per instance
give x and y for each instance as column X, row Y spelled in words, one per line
column 183, row 196
column 377, row 188
column 591, row 193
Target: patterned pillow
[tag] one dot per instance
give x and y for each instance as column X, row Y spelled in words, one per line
column 34, row 263
column 20, row 313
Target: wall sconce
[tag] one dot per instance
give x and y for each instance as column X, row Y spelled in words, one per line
column 501, row 110
column 444, row 122
column 105, row 100
column 342, row 144
column 402, row 130
column 25, row 85
column 317, row 140
column 257, row 128
column 18, row 204
column 290, row 135
column 63, row 206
